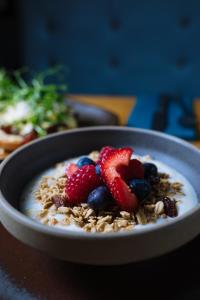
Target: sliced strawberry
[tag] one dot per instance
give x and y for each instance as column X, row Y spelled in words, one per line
column 123, row 196
column 115, row 160
column 105, row 152
column 71, row 169
column 81, row 183
column 119, row 189
column 134, row 170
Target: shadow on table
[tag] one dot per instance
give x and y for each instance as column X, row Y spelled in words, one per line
column 174, row 276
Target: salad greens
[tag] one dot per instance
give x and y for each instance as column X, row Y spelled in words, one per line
column 44, row 100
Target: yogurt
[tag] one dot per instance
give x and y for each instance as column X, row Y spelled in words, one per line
column 31, row 207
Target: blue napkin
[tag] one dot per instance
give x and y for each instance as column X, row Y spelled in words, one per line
column 142, row 116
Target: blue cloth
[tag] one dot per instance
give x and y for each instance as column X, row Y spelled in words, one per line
column 143, row 112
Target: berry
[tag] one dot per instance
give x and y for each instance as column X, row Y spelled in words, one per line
column 150, row 170
column 99, row 198
column 105, row 152
column 116, row 159
column 98, row 169
column 117, row 186
column 135, row 169
column 153, row 180
column 170, row 207
column 81, row 183
column 123, row 196
column 141, row 187
column 83, row 161
column 71, row 169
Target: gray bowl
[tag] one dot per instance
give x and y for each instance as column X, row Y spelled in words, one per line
column 100, row 249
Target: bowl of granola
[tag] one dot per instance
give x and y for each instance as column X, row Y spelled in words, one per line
column 102, row 195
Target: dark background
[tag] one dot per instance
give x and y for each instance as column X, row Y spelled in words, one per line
column 107, row 46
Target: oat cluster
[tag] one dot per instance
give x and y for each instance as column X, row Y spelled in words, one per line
column 51, row 195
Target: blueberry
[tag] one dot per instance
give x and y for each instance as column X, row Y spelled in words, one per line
column 141, row 187
column 98, row 170
column 150, row 170
column 85, row 161
column 153, row 180
column 99, row 198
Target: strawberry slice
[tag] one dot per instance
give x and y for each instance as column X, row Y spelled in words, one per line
column 105, row 151
column 81, row 183
column 115, row 160
column 120, row 191
column 134, row 170
column 71, row 169
column 123, row 196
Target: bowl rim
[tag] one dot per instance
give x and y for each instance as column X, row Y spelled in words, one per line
column 24, row 220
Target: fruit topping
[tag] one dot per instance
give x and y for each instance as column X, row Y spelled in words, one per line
column 150, row 170
column 115, row 160
column 98, row 169
column 135, row 169
column 169, row 207
column 81, row 183
column 100, row 198
column 123, row 196
column 117, row 186
column 83, row 161
column 141, row 187
column 153, row 180
column 71, row 169
column 105, row 151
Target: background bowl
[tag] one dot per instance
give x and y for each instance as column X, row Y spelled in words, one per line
column 111, row 248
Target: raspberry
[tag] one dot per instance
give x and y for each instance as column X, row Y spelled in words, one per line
column 81, row 183
column 71, row 169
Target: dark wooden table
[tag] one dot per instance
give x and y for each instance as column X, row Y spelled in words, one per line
column 31, row 274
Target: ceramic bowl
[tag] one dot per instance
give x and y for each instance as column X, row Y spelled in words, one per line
column 96, row 248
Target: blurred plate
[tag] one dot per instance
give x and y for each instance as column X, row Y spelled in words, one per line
column 89, row 115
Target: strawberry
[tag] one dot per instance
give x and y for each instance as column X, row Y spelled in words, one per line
column 120, row 191
column 134, row 170
column 81, row 183
column 123, row 196
column 114, row 161
column 71, row 169
column 105, row 152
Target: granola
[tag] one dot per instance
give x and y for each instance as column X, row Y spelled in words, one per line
column 51, row 194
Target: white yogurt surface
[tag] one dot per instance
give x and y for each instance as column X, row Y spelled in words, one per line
column 31, row 207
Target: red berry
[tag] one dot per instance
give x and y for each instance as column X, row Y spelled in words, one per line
column 71, row 169
column 134, row 170
column 114, row 161
column 123, row 196
column 120, row 191
column 81, row 183
column 105, row 152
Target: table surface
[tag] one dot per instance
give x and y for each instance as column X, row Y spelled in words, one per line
column 173, row 276
column 123, row 105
